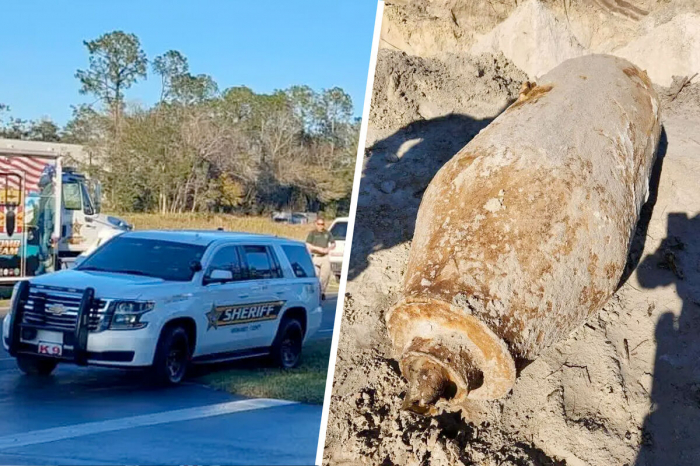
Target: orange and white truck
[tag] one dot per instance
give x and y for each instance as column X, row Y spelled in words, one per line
column 49, row 213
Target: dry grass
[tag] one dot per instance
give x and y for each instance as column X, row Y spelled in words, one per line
column 306, row 383
column 213, row 221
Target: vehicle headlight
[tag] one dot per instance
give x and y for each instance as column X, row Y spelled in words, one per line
column 127, row 314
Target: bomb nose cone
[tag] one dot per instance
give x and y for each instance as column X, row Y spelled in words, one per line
column 446, row 355
column 427, row 383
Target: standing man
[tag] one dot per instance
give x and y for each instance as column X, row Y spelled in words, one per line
column 45, row 216
column 320, row 243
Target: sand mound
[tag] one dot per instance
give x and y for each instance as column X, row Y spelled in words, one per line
column 431, row 27
column 662, row 37
column 409, row 89
column 533, row 38
column 673, row 48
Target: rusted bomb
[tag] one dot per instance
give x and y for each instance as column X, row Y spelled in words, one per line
column 526, row 231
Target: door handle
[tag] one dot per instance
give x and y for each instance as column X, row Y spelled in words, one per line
column 243, row 296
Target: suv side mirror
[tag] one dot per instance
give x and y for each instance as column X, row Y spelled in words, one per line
column 93, row 188
column 98, row 197
column 219, row 276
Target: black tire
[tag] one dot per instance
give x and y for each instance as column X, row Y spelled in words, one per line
column 172, row 357
column 36, row 366
column 286, row 349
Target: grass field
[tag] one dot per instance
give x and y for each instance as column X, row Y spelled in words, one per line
column 254, row 378
column 213, row 221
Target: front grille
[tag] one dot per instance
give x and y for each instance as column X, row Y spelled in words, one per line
column 53, row 308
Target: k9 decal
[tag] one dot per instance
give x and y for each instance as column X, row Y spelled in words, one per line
column 221, row 316
column 52, row 349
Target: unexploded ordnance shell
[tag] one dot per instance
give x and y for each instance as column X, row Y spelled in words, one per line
column 526, row 231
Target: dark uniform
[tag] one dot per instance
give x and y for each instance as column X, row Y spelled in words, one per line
column 321, row 239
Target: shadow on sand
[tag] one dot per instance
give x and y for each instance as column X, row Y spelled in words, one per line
column 640, row 236
column 671, row 431
column 396, row 173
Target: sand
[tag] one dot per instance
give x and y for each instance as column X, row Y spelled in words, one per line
column 622, row 389
column 661, row 36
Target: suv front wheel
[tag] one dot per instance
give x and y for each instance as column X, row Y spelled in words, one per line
column 286, row 349
column 34, row 365
column 172, row 356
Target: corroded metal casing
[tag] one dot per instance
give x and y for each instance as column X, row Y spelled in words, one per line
column 526, row 231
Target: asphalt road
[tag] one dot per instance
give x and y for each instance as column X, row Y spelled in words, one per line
column 102, row 416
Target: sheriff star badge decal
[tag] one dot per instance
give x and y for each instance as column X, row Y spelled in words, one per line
column 212, row 318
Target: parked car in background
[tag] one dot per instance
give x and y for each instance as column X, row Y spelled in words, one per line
column 299, row 219
column 338, row 229
column 294, row 218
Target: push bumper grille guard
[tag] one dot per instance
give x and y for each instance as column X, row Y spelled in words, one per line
column 80, row 353
column 82, row 327
column 17, row 307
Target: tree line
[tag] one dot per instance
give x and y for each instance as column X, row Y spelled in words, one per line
column 199, row 148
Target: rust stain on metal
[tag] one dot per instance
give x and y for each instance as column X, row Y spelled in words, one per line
column 634, row 72
column 530, row 92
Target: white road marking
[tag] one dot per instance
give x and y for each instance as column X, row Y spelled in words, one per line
column 79, row 430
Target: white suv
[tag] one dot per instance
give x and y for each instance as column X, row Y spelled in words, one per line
column 163, row 299
column 338, row 229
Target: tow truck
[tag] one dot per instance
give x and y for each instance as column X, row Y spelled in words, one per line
column 49, row 213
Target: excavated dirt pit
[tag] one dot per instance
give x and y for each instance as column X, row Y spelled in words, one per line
column 623, row 389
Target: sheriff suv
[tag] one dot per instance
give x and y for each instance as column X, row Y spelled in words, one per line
column 164, row 299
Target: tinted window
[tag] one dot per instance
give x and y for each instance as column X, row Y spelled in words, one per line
column 339, row 230
column 168, row 260
column 260, row 263
column 72, row 196
column 226, row 258
column 301, row 261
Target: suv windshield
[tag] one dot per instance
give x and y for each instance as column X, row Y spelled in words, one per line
column 338, row 230
column 167, row 260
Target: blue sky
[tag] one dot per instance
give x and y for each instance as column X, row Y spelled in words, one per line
column 262, row 44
